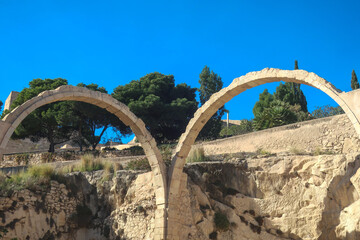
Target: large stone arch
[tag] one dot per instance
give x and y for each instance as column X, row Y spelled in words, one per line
column 177, row 179
column 67, row 92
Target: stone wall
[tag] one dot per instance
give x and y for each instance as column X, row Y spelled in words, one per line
column 24, row 159
column 333, row 134
column 85, row 207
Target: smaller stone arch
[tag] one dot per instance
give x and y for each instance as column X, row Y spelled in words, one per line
column 67, row 92
column 202, row 115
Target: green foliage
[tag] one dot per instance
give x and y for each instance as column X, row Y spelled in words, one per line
column 88, row 118
column 51, row 121
column 47, row 157
column 245, row 126
column 292, row 94
column 265, row 99
column 264, row 152
column 89, row 163
column 35, row 178
column 1, row 104
column 221, row 221
column 136, row 150
column 318, row 151
column 196, row 155
column 141, row 164
column 354, row 81
column 210, row 83
column 287, row 105
column 296, row 65
column 165, row 108
column 297, row 151
column 327, row 111
column 279, row 113
column 166, row 151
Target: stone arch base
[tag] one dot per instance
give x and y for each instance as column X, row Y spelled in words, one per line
column 63, row 93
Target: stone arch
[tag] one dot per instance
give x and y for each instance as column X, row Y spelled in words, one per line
column 217, row 100
column 67, row 92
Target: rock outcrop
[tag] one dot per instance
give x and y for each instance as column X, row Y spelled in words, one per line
column 281, row 196
column 85, row 206
column 278, row 197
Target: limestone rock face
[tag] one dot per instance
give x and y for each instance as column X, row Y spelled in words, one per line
column 278, row 197
column 264, row 198
column 86, row 206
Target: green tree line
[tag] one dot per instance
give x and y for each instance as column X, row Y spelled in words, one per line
column 164, row 106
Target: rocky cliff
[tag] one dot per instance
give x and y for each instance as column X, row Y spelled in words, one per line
column 281, row 196
column 275, row 197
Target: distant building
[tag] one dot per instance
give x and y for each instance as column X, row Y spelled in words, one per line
column 10, row 99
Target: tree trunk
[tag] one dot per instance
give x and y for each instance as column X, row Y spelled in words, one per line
column 80, row 137
column 52, row 143
column 102, row 132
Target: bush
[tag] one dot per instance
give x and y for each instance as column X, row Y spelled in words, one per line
column 221, row 221
column 261, row 151
column 319, row 151
column 35, row 178
column 136, row 151
column 196, row 155
column 166, row 153
column 89, row 163
column 327, row 111
column 141, row 164
column 297, row 151
column 47, row 157
column 244, row 127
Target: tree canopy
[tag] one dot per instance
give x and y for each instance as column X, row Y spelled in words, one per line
column 354, row 81
column 51, row 121
column 287, row 105
column 210, row 83
column 88, row 118
column 165, row 108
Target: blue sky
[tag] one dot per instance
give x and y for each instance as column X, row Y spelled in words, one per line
column 113, row 42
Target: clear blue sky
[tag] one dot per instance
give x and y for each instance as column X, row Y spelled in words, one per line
column 113, row 42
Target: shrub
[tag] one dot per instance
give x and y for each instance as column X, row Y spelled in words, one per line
column 166, row 153
column 136, row 150
column 319, row 151
column 89, row 163
column 221, row 221
column 297, row 151
column 141, row 164
column 196, row 155
column 47, row 157
column 261, row 151
column 244, row 127
column 35, row 178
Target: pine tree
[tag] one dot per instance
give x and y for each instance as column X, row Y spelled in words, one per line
column 210, row 83
column 291, row 93
column 354, row 81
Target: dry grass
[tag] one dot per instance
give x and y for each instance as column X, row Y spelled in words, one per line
column 196, row 155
